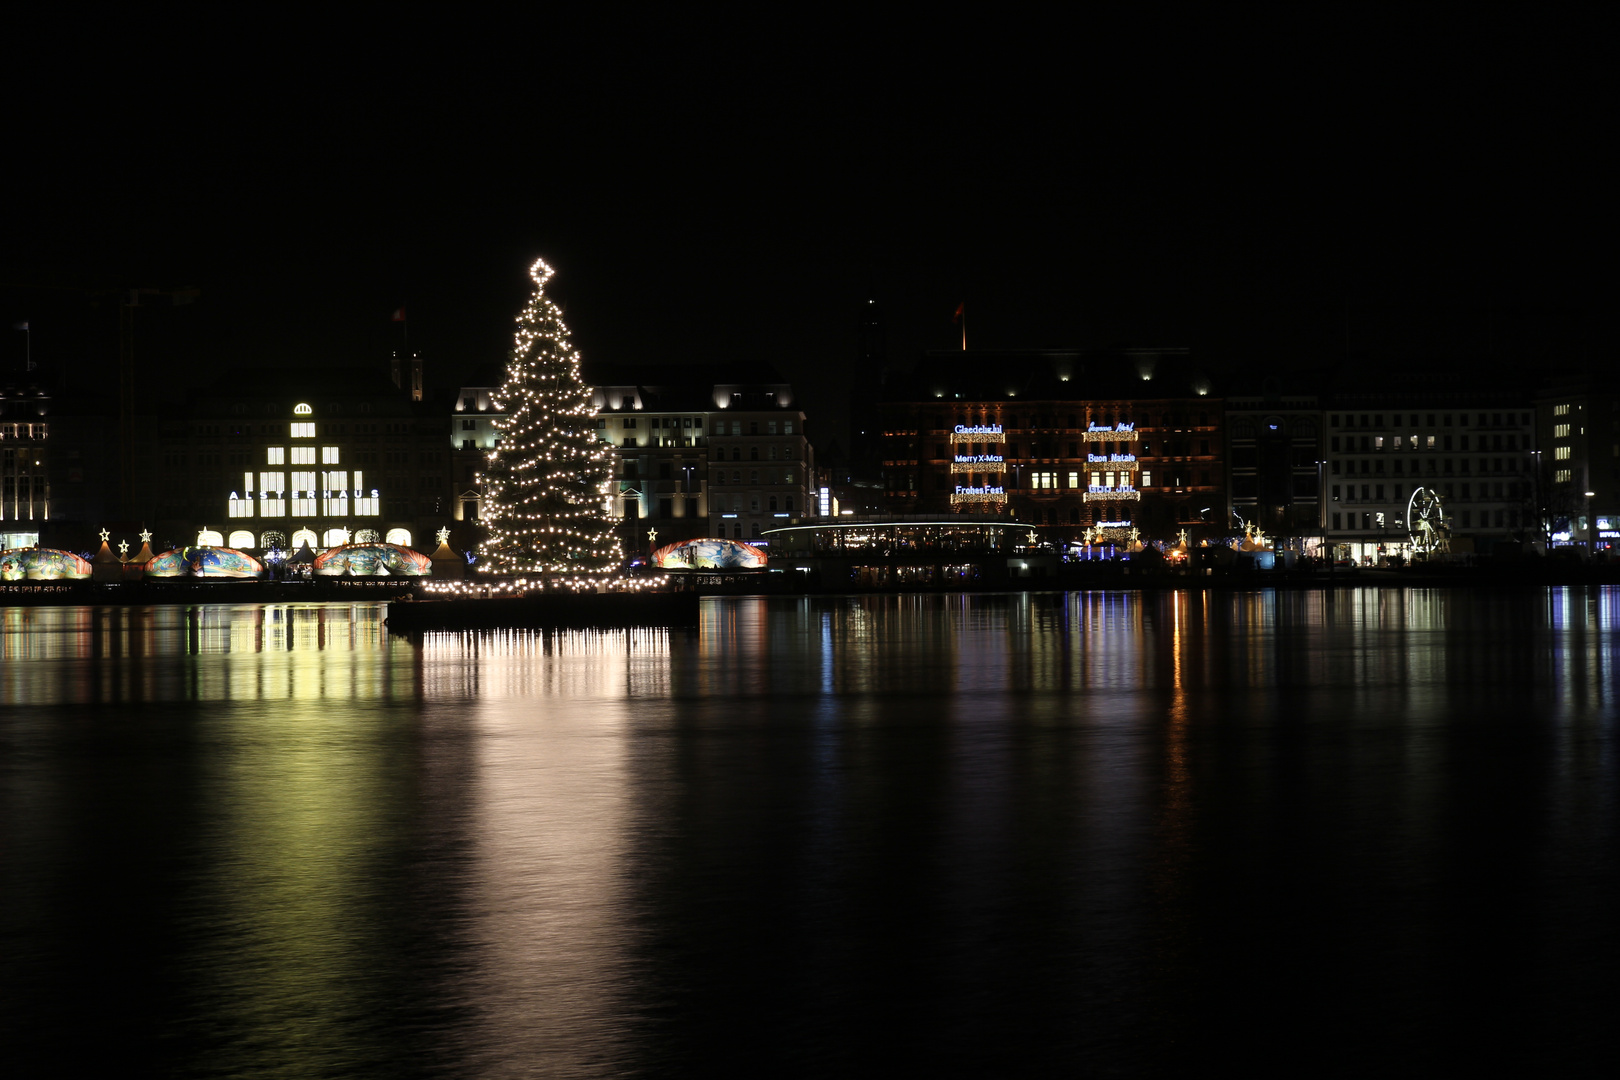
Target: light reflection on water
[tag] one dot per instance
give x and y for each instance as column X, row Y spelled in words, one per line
column 818, row 833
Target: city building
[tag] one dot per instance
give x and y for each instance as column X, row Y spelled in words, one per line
column 1578, row 423
column 1473, row 447
column 319, row 457
column 704, row 456
column 474, row 432
column 1094, row 442
column 662, row 435
column 1274, row 454
column 25, row 463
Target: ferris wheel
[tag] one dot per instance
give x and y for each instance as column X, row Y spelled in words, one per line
column 1426, row 523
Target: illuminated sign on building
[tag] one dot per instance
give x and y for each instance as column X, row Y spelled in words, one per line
column 977, row 433
column 979, row 494
column 964, row 459
column 1098, row 432
column 1122, row 461
column 826, row 502
column 1100, row 493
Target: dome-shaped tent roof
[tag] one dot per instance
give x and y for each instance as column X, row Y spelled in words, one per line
column 42, row 564
column 709, row 552
column 204, row 562
column 373, row 560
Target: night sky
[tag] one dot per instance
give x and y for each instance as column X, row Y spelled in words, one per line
column 1313, row 195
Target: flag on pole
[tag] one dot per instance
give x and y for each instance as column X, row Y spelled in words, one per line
column 399, row 315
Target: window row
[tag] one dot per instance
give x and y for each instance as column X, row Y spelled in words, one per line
column 1427, row 466
column 1488, row 519
column 1487, row 490
column 1495, row 419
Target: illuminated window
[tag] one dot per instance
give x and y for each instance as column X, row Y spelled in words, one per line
column 1047, row 480
column 305, row 537
column 272, row 506
column 1147, row 478
column 1430, row 444
column 329, row 455
column 241, row 508
column 303, row 455
column 1074, row 479
column 303, row 431
column 303, row 494
column 1560, row 431
column 336, row 537
column 1560, row 410
column 368, row 505
column 210, row 538
column 402, row 537
column 1561, row 453
column 1561, row 476
column 241, row 538
column 335, row 494
column 273, row 481
column 275, row 455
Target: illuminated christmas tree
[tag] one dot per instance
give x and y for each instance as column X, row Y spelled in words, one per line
column 546, row 484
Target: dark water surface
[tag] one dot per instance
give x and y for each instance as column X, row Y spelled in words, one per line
column 1326, row 833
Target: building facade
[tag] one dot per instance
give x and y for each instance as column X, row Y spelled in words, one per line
column 1578, row 425
column 319, row 458
column 1475, row 450
column 1075, row 443
column 25, row 464
column 721, row 459
column 1275, row 459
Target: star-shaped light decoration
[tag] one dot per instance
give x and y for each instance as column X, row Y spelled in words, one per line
column 105, row 536
column 146, row 536
column 444, row 534
column 123, row 548
column 1033, row 536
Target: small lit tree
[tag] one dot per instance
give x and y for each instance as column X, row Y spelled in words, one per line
column 546, row 483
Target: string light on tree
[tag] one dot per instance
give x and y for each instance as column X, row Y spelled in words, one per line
column 546, row 484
